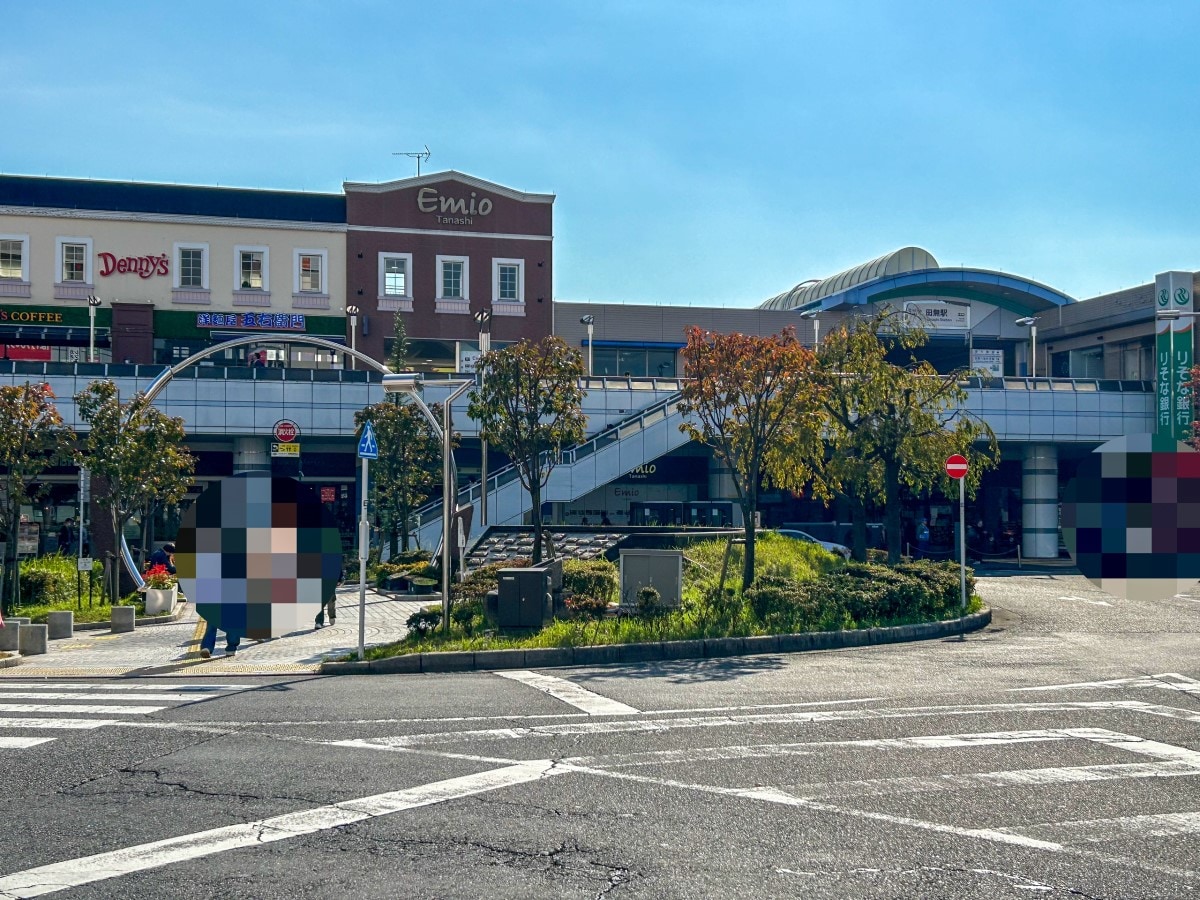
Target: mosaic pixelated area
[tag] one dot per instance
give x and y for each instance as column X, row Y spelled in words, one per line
column 1131, row 517
column 258, row 554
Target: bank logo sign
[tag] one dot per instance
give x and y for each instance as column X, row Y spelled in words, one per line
column 1174, row 356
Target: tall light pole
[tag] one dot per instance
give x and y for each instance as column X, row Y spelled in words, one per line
column 589, row 321
column 484, row 318
column 811, row 315
column 1030, row 322
column 352, row 312
column 93, row 305
column 410, row 383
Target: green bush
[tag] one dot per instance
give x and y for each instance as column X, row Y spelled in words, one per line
column 424, row 621
column 590, row 578
column 587, row 607
column 50, row 581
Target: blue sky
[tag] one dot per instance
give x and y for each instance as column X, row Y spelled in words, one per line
column 702, row 153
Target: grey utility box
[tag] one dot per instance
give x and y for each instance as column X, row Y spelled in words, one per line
column 524, row 597
column 660, row 569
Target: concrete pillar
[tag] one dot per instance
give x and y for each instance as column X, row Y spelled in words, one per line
column 61, row 624
column 251, row 454
column 32, row 639
column 9, row 634
column 122, row 618
column 720, row 486
column 1039, row 502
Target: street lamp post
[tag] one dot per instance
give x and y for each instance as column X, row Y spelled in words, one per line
column 1030, row 321
column 811, row 315
column 410, row 383
column 352, row 312
column 589, row 321
column 93, row 305
column 484, row 318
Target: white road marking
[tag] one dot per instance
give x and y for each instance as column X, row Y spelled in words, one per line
column 1120, row 828
column 6, row 722
column 1086, row 600
column 55, row 695
column 77, row 708
column 102, row 866
column 121, row 686
column 1167, row 681
column 662, row 725
column 20, row 743
column 568, row 692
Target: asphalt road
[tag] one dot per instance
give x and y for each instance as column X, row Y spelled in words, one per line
column 1057, row 753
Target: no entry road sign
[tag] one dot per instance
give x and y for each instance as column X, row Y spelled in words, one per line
column 956, row 466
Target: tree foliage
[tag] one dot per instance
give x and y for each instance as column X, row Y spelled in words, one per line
column 398, row 358
column 138, row 451
column 751, row 396
column 890, row 427
column 32, row 439
column 529, row 404
column 408, row 467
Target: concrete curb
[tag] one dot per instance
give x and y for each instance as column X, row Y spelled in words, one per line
column 9, row 661
column 180, row 609
column 609, row 654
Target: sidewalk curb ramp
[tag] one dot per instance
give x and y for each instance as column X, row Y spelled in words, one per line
column 609, row 654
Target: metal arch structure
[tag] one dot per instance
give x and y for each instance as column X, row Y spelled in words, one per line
column 164, row 378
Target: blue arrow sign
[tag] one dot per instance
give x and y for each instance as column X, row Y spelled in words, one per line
column 368, row 447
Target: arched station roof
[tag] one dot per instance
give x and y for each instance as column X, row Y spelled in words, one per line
column 913, row 272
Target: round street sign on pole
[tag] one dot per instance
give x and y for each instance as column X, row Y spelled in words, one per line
column 286, row 431
column 956, row 466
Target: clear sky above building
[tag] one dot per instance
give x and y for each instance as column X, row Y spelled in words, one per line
column 702, row 153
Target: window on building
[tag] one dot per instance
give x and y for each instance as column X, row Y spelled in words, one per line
column 251, row 274
column 310, row 273
column 1087, row 363
column 12, row 258
column 191, row 267
column 508, row 282
column 452, row 278
column 394, row 274
column 74, row 259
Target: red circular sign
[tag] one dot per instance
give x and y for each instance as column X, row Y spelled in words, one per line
column 286, row 430
column 956, row 466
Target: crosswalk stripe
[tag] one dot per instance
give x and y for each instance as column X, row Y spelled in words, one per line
column 55, row 695
column 75, row 685
column 568, row 692
column 20, row 743
column 56, row 723
column 77, row 708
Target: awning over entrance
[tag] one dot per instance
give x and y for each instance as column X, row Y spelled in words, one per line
column 52, row 335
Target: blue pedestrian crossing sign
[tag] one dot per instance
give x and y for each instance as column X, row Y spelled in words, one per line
column 368, row 447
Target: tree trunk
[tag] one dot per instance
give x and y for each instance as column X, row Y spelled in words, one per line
column 858, row 521
column 535, row 495
column 891, row 514
column 749, row 506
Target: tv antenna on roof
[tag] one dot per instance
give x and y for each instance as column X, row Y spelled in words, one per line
column 418, row 156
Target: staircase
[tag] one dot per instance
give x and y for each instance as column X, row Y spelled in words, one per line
column 619, row 449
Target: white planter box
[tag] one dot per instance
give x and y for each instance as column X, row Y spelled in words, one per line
column 160, row 600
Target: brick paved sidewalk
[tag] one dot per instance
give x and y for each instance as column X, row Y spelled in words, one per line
column 173, row 649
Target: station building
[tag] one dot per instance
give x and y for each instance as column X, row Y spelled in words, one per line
column 146, row 275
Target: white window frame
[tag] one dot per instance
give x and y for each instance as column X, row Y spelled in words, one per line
column 496, row 264
column 88, row 256
column 177, row 258
column 324, row 255
column 23, row 240
column 466, row 276
column 266, row 267
column 384, row 256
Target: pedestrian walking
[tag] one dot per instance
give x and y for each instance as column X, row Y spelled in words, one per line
column 208, row 643
column 330, row 604
column 923, row 538
column 66, row 536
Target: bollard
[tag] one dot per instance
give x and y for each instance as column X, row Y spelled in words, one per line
column 9, row 635
column 122, row 618
column 61, row 624
column 32, row 639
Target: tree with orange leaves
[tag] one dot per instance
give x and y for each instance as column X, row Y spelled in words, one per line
column 747, row 397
